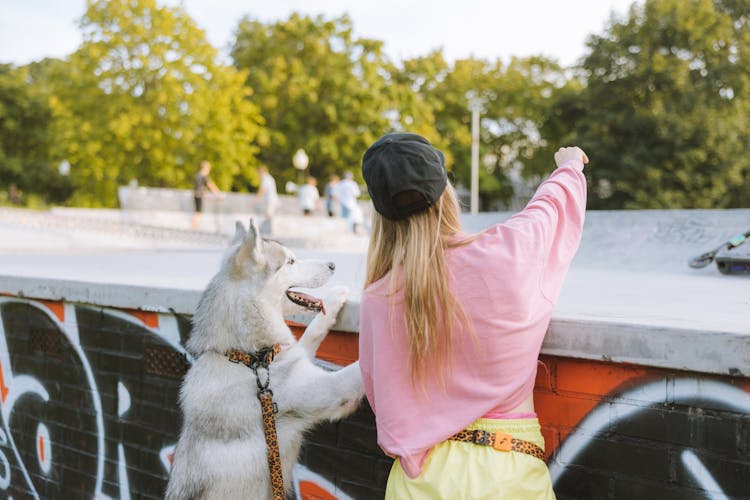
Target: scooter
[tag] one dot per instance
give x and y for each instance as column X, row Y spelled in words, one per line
column 728, row 259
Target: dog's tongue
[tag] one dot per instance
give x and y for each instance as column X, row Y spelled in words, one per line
column 306, row 301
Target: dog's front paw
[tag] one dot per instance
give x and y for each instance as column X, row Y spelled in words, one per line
column 336, row 299
column 318, row 328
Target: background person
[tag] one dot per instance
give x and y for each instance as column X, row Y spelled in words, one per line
column 330, row 199
column 356, row 220
column 267, row 198
column 346, row 193
column 15, row 196
column 308, row 196
column 451, row 325
column 202, row 183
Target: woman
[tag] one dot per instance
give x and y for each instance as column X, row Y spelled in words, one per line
column 451, row 325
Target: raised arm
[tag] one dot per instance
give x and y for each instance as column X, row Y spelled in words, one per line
column 552, row 222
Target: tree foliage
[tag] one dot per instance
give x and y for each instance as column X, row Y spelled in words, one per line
column 25, row 135
column 144, row 98
column 660, row 101
column 318, row 87
column 665, row 108
column 512, row 99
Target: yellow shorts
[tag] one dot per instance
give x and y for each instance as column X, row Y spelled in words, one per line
column 454, row 470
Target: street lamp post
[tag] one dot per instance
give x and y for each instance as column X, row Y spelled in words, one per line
column 475, row 105
column 300, row 162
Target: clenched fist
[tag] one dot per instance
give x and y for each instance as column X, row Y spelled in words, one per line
column 570, row 153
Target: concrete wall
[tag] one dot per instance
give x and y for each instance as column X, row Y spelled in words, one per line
column 643, row 390
column 172, row 210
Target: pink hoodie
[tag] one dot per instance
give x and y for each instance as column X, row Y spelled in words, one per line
column 507, row 281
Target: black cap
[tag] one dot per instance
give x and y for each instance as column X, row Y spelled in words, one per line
column 404, row 174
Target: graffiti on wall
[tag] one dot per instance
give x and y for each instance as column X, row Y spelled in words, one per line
column 89, row 400
column 687, row 433
column 89, row 409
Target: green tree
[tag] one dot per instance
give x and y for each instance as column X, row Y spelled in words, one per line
column 25, row 135
column 411, row 88
column 470, row 80
column 665, row 110
column 318, row 88
column 517, row 102
column 145, row 98
column 513, row 99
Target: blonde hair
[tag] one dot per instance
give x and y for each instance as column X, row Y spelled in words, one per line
column 413, row 251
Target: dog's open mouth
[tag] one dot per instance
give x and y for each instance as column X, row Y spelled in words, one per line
column 307, row 301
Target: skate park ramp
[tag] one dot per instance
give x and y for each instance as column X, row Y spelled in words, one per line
column 632, row 267
column 629, row 295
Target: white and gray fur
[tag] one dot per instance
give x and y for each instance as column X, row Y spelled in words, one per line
column 221, row 452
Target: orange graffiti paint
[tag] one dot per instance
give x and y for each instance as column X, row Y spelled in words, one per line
column 569, row 389
column 56, row 308
column 149, row 318
column 311, row 491
column 341, row 348
column 3, row 388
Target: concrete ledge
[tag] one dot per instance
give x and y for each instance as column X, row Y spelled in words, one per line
column 704, row 351
column 701, row 350
column 145, row 298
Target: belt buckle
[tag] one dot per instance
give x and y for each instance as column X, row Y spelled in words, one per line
column 502, row 442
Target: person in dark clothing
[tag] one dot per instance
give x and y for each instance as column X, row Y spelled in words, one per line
column 202, row 183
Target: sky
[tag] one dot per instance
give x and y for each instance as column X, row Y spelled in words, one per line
column 33, row 29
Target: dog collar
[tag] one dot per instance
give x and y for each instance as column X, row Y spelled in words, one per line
column 260, row 358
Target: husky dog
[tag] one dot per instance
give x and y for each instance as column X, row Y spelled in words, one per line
column 221, row 452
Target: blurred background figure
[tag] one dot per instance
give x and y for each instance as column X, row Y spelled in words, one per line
column 356, row 220
column 15, row 196
column 330, row 199
column 203, row 183
column 346, row 193
column 309, row 198
column 267, row 198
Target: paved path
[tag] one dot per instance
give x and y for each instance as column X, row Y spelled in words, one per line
column 60, row 231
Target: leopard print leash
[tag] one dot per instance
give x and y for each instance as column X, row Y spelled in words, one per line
column 257, row 361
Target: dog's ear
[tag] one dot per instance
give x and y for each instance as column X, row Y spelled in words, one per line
column 249, row 256
column 239, row 233
column 252, row 243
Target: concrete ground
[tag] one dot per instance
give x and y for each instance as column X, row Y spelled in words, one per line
column 631, row 268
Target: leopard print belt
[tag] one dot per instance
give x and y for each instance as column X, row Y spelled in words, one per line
column 500, row 441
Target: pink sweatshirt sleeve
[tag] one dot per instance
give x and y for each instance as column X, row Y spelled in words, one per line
column 553, row 221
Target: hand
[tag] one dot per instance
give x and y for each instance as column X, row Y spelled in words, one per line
column 571, row 153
